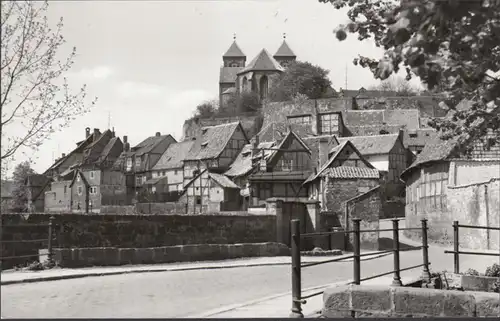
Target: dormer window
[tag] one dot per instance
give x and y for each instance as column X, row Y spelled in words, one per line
column 204, row 144
column 204, row 131
column 137, row 161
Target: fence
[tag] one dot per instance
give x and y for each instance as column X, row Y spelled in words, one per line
column 298, row 299
column 49, row 241
column 456, row 252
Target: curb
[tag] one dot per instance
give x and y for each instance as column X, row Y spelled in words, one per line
column 172, row 269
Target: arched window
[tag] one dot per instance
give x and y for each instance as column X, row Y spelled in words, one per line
column 263, row 87
column 245, row 84
column 234, row 64
column 254, row 85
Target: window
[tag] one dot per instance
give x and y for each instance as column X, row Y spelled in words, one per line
column 143, row 179
column 137, row 161
column 65, row 189
column 91, row 174
column 129, row 163
column 175, row 172
column 299, row 120
column 329, row 123
column 80, row 190
column 198, row 200
column 78, row 178
column 287, row 164
column 234, row 64
column 138, row 180
column 93, row 190
column 155, row 174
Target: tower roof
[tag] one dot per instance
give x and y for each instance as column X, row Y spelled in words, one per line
column 263, row 61
column 234, row 51
column 284, row 51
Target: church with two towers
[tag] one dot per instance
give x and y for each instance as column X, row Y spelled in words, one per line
column 257, row 76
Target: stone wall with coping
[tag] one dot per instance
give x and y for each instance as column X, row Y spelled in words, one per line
column 385, row 301
column 112, row 256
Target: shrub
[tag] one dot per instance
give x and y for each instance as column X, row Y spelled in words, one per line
column 493, row 270
column 471, row 272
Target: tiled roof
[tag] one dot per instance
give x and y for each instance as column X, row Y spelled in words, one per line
column 223, row 180
column 335, row 152
column 419, row 137
column 228, row 74
column 284, row 51
column 95, row 149
column 80, row 146
column 156, row 180
column 313, row 143
column 212, row 141
column 263, row 61
column 242, row 165
column 435, row 150
column 234, row 51
column 371, row 145
column 7, row 187
column 351, row 172
column 174, row 156
column 111, row 151
column 291, row 134
column 37, row 180
column 148, row 144
column 276, row 131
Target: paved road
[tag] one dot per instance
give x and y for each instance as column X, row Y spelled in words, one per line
column 182, row 293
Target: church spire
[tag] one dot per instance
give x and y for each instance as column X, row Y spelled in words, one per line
column 284, row 50
column 234, row 50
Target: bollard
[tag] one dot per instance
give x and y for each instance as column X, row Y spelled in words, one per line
column 425, row 251
column 455, row 247
column 296, row 281
column 50, row 253
column 357, row 251
column 395, row 238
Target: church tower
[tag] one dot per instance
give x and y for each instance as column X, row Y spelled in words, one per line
column 284, row 55
column 234, row 57
column 234, row 60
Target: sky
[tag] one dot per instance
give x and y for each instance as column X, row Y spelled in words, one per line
column 150, row 63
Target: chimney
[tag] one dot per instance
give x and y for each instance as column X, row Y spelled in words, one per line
column 87, row 132
column 401, row 134
column 96, row 134
column 158, row 134
column 323, row 151
column 255, row 147
column 63, row 155
column 126, row 145
column 113, row 133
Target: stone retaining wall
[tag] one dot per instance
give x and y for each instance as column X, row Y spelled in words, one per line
column 112, row 256
column 384, row 301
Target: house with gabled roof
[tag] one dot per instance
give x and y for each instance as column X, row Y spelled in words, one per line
column 137, row 162
column 214, row 150
column 211, row 192
column 284, row 171
column 103, row 186
column 449, row 182
column 168, row 171
column 343, row 176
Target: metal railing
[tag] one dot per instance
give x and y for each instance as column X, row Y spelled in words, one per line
column 49, row 241
column 298, row 299
column 456, row 244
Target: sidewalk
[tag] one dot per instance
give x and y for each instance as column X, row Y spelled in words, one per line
column 24, row 276
column 279, row 306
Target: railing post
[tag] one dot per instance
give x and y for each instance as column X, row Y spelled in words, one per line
column 50, row 256
column 425, row 251
column 357, row 251
column 456, row 262
column 296, row 281
column 395, row 239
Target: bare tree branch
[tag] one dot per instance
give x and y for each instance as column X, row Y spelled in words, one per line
column 33, row 98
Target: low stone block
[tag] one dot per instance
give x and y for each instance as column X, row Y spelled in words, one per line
column 206, row 252
column 487, row 304
column 458, row 304
column 126, row 256
column 336, row 302
column 159, row 254
column 62, row 257
column 416, row 301
column 371, row 298
column 111, row 256
column 191, row 252
column 478, row 283
column 222, row 251
column 250, row 250
column 235, row 251
column 173, row 254
column 144, row 255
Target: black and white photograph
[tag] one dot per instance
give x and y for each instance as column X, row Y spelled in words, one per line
column 230, row 159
